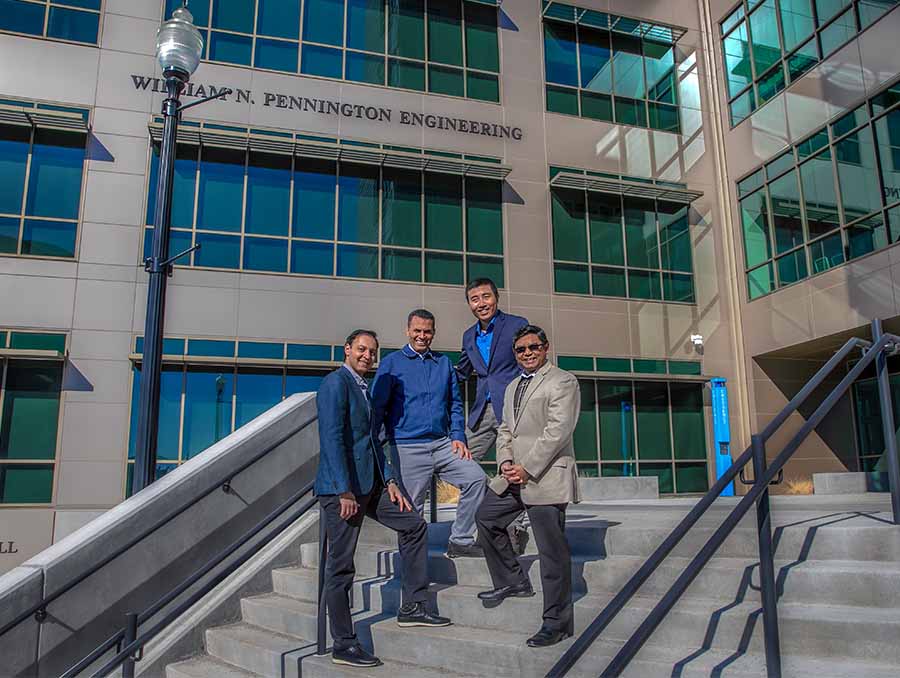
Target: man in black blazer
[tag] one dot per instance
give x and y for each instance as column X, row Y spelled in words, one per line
column 354, row 479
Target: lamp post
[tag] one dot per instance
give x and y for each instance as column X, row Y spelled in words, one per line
column 178, row 49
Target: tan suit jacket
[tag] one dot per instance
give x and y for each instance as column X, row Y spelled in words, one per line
column 540, row 439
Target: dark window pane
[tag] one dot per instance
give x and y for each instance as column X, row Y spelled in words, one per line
column 183, row 185
column 221, row 189
column 323, row 21
column 819, row 195
column 445, row 81
column 69, row 24
column 229, row 48
column 443, row 211
column 755, row 222
column 674, row 236
column 644, row 285
column 401, row 216
column 257, row 390
column 659, row 62
column 365, row 25
column 649, row 366
column 605, row 221
column 893, row 216
column 268, row 194
column 616, row 411
column 826, row 253
column 207, row 407
column 265, row 254
column 277, row 18
column 825, row 9
column 312, row 258
column 585, row 437
column 857, row 176
column 276, row 55
column 179, row 241
column 678, row 287
column 314, row 197
column 200, row 10
column 218, row 251
column 260, row 349
column 443, row 268
column 736, row 47
column 233, row 15
column 596, row 106
column 838, row 32
column 357, row 262
column 570, row 279
column 445, row 32
column 742, row 107
column 664, row 117
column 802, row 60
column 569, row 236
column 322, row 61
column 785, row 195
column 26, row 483
column 631, row 112
column 30, row 410
column 401, row 265
column 613, row 364
column 303, row 381
column 628, row 67
column 608, row 282
column 761, row 281
column 48, row 238
column 791, row 267
column 771, row 84
column 850, row 121
column 887, row 130
column 866, row 236
column 406, row 28
column 22, row 17
column 560, row 54
column 482, row 86
column 358, row 208
column 485, row 267
column 484, row 216
column 9, row 235
column 365, row 68
column 780, row 165
column 764, row 36
column 796, row 22
column 596, row 60
column 689, row 367
column 576, row 363
column 871, row 10
column 812, row 144
column 54, row 180
column 14, row 143
column 562, row 100
column 691, row 478
column 170, row 388
column 640, row 232
column 651, row 401
column 482, row 50
column 406, row 74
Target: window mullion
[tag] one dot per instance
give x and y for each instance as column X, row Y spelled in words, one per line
column 25, row 191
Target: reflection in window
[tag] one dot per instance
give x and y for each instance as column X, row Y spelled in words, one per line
column 78, row 22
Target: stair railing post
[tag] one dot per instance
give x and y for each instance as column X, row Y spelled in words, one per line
column 433, row 502
column 321, row 614
column 766, row 563
column 131, row 626
column 887, row 422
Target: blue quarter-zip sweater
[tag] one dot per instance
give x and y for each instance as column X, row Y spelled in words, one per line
column 417, row 398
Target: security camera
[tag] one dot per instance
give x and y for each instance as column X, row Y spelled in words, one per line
column 697, row 340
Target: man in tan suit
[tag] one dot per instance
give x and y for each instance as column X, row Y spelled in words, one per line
column 537, row 474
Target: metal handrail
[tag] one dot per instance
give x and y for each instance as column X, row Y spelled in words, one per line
column 759, row 492
column 39, row 609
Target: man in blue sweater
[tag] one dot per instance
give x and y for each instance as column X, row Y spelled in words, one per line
column 416, row 396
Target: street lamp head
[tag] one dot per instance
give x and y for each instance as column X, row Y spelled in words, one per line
column 179, row 45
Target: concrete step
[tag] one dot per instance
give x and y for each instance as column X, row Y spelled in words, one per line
column 843, row 582
column 256, row 650
column 205, row 666
column 322, row 667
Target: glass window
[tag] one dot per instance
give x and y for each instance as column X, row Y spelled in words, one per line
column 585, row 436
column 323, row 21
column 401, row 207
column 444, row 268
column 207, row 407
column 866, row 236
column 268, row 194
column 322, row 61
column 445, row 32
column 755, row 222
column 315, row 183
column 785, row 195
column 54, row 180
column 628, row 67
column 871, row 10
column 9, row 235
column 443, row 212
column 485, row 267
column 817, row 179
column 761, row 281
column 838, row 32
column 365, row 68
column 482, row 49
column 644, row 285
column 265, row 254
column 312, row 258
column 659, row 62
column 446, row 81
column 887, row 129
column 365, row 25
column 766, row 45
column 358, row 204
column 406, row 28
column 484, row 216
column 651, row 401
column 569, row 236
column 616, row 415
column 736, row 48
column 277, row 18
column 678, row 287
column 230, row 48
column 802, row 60
column 640, row 232
column 796, row 21
column 791, row 267
column 406, row 74
column 233, row 15
column 857, row 175
column 571, row 279
column 631, row 112
column 596, row 106
column 221, row 189
column 171, row 386
column 70, row 24
column 22, row 17
column 605, row 222
column 482, row 86
column 276, row 55
column 608, row 282
column 674, row 236
column 257, row 390
column 357, row 262
column 560, row 54
column 14, row 143
column 48, row 238
column 401, row 265
column 826, row 253
column 825, row 9
column 30, row 417
column 595, row 54
column 688, row 428
column 563, row 100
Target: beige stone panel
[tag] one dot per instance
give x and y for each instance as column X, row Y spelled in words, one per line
column 99, row 345
column 68, row 522
column 769, row 399
column 68, row 73
column 95, row 432
column 533, row 276
column 29, row 530
column 682, row 13
column 522, row 94
column 200, row 311
column 588, row 144
column 89, row 484
column 648, row 329
column 854, row 303
column 41, row 268
column 36, row 302
column 98, row 381
column 771, row 323
column 115, row 87
column 116, row 121
column 118, row 153
column 226, row 110
column 526, row 167
column 135, row 8
column 584, row 332
column 528, row 237
column 110, row 244
column 581, row 302
column 198, row 277
column 104, row 305
column 129, row 34
column 109, row 272
column 682, row 321
column 128, row 207
column 393, row 132
column 292, row 85
column 458, row 141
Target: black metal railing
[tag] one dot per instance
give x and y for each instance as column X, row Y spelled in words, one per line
column 127, row 640
column 874, row 351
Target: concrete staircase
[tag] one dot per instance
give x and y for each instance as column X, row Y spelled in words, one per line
column 839, row 611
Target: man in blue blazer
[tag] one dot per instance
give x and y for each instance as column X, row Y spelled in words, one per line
column 354, row 479
column 487, row 352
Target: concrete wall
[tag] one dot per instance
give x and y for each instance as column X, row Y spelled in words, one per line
column 190, row 533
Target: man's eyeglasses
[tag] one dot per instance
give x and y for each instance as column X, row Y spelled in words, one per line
column 534, row 348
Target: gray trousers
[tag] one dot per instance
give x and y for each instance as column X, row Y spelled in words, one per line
column 419, row 461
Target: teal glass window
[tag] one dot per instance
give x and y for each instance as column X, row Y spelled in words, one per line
column 641, row 237
column 277, row 18
column 482, row 48
column 233, row 15
column 256, row 390
column 406, row 28
column 207, row 408
column 784, row 193
column 797, row 21
column 736, row 50
column 560, row 54
column 315, row 188
column 365, row 68
column 443, row 212
column 445, row 34
column 268, row 194
column 312, row 258
column 265, row 254
column 484, row 216
column 54, row 182
column 446, row 80
column 357, row 262
column 276, row 55
column 230, row 48
column 401, row 216
column 220, row 189
column 218, row 251
column 605, row 223
column 358, row 207
column 14, row 148
column 838, row 32
column 406, row 74
column 323, row 21
column 365, row 25
column 78, row 21
column 756, row 227
column 857, row 174
column 324, row 61
column 817, row 180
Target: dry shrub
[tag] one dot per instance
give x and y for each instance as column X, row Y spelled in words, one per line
column 798, row 485
column 446, row 493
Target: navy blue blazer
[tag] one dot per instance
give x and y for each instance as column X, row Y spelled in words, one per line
column 348, row 451
column 501, row 369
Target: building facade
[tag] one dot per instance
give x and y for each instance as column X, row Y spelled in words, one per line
column 630, row 174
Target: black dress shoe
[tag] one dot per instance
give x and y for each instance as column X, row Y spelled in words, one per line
column 455, row 550
column 547, row 637
column 416, row 614
column 354, row 656
column 494, row 598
